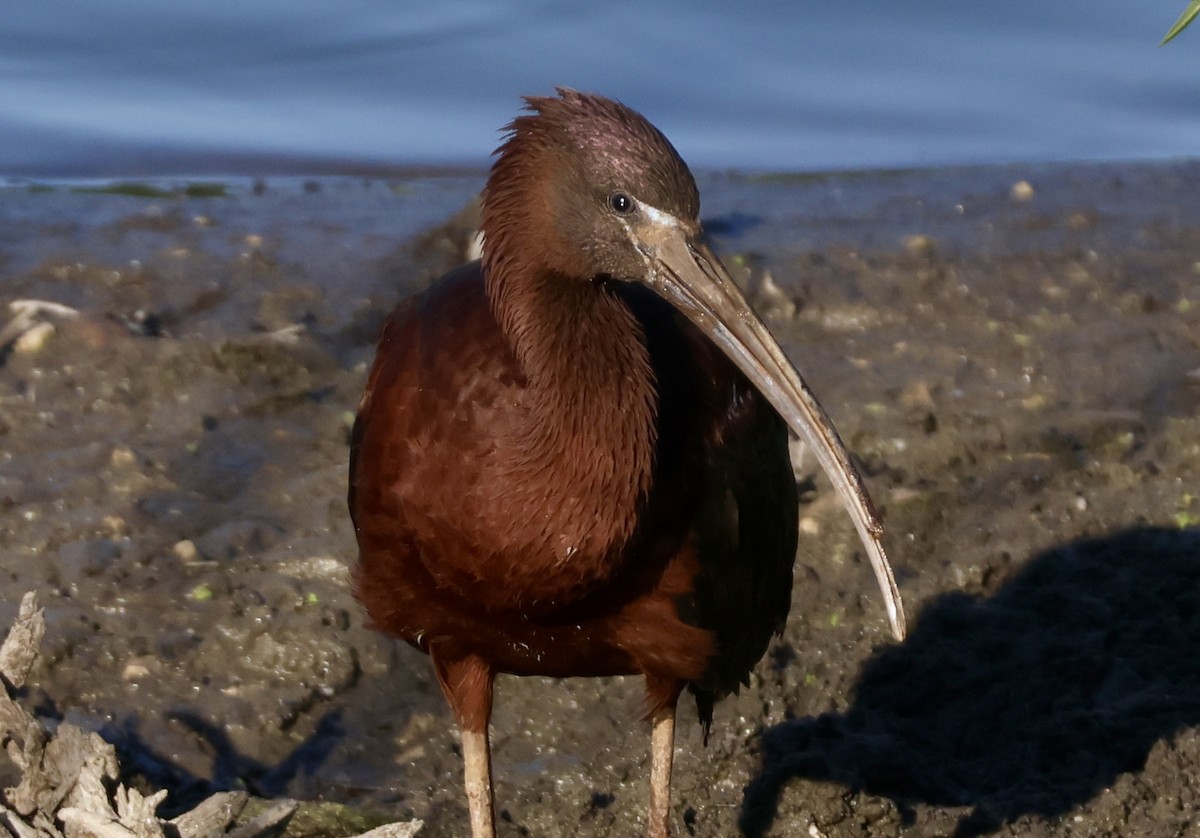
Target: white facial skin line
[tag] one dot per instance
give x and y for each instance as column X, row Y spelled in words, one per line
column 658, row 218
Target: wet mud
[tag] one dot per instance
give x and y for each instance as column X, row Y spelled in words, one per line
column 1016, row 367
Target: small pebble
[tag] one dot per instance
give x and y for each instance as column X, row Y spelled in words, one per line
column 121, row 457
column 810, row 526
column 920, row 245
column 1021, row 191
column 185, row 550
column 774, row 300
column 114, row 525
column 1080, row 221
column 917, row 396
column 134, row 671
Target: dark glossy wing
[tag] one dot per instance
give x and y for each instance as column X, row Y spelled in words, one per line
column 747, row 533
column 724, row 479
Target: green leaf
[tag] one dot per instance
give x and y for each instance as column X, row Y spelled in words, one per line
column 1187, row 17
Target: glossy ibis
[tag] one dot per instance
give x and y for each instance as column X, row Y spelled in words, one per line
column 571, row 456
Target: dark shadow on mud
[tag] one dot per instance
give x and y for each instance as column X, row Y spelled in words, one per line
column 231, row 769
column 1030, row 701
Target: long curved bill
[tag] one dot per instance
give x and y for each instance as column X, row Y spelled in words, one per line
column 686, row 273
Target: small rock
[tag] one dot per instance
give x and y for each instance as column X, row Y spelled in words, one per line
column 1078, row 221
column 917, row 396
column 1021, row 191
column 904, row 494
column 185, row 550
column 920, row 245
column 773, row 301
column 134, row 671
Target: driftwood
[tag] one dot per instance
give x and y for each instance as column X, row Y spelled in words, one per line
column 25, row 325
column 69, row 784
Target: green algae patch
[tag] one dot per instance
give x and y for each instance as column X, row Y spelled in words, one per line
column 131, row 189
column 832, row 176
column 201, row 593
column 140, row 189
column 205, row 190
column 1187, row 514
column 329, row 820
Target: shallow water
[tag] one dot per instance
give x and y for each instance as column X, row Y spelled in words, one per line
column 133, row 86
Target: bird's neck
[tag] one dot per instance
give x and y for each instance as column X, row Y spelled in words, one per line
column 592, row 394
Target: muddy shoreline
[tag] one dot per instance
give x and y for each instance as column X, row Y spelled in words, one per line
column 1017, row 369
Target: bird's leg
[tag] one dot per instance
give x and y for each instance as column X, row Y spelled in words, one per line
column 467, row 684
column 477, row 772
column 662, row 752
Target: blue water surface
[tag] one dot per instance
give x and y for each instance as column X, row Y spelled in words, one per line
column 142, row 86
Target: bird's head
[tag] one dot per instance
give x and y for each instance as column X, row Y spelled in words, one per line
column 587, row 188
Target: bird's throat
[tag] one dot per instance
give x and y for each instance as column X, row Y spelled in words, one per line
column 591, row 405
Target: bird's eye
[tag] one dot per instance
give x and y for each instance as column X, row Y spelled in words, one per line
column 621, row 203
